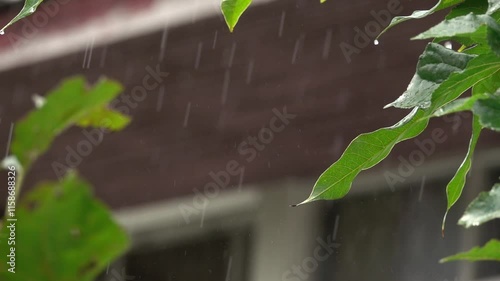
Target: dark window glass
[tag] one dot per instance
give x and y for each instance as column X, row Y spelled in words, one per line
column 393, row 236
column 211, row 258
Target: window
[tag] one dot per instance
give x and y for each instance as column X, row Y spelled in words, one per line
column 211, row 258
column 393, row 235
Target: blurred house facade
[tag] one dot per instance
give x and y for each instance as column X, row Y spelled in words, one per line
column 239, row 129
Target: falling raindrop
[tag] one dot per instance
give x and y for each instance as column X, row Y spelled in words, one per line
column 336, row 227
column 231, row 56
column 326, row 46
column 159, row 104
column 225, row 86
column 250, row 71
column 186, row 116
column 103, row 56
column 241, row 179
column 215, row 39
column 448, row 45
column 163, row 43
column 88, row 54
column 282, row 23
column 376, row 42
column 298, row 46
column 2, row 32
column 228, row 272
column 9, row 159
column 198, row 55
column 421, row 189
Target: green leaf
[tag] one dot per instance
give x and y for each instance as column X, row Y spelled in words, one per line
column 477, row 7
column 488, row 111
column 63, row 233
column 441, row 5
column 494, row 39
column 435, row 65
column 474, row 43
column 457, row 183
column 490, row 252
column 478, row 75
column 458, row 26
column 458, row 105
column 29, row 8
column 494, row 5
column 69, row 104
column 480, row 41
column 481, row 68
column 489, row 86
column 484, row 208
column 478, row 49
column 467, row 26
column 364, row 152
column 369, row 149
column 105, row 118
column 232, row 11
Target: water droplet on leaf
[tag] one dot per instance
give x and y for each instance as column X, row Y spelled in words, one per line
column 39, row 101
column 375, row 42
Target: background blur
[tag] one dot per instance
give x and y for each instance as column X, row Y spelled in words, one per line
column 240, row 129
